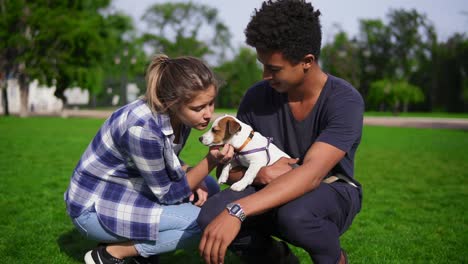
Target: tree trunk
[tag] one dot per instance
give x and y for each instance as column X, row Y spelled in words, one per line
column 60, row 94
column 6, row 111
column 24, row 94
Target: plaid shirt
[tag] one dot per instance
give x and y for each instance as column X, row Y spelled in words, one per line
column 128, row 171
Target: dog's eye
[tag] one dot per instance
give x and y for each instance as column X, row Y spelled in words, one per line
column 215, row 129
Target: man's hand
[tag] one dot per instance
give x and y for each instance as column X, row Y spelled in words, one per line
column 217, row 236
column 268, row 173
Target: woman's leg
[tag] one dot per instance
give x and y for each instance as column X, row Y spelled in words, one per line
column 119, row 247
column 177, row 229
column 88, row 225
column 212, row 185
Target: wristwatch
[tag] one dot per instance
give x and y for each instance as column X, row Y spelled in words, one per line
column 236, row 210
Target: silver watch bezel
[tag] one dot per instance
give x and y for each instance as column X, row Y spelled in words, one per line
column 239, row 214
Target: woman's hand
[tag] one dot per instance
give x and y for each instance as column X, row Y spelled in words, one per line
column 219, row 155
column 199, row 195
column 268, row 173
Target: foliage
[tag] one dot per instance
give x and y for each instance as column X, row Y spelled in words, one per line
column 451, row 74
column 238, row 75
column 409, row 214
column 374, row 53
column 403, row 49
column 60, row 43
column 339, row 57
column 394, row 94
column 178, row 30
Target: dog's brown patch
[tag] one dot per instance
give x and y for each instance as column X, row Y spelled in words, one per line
column 226, row 127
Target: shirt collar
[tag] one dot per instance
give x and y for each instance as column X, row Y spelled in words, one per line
column 166, row 126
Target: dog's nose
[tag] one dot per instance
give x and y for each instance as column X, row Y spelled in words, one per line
column 201, row 139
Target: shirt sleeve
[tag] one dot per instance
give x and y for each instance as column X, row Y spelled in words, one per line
column 158, row 165
column 344, row 121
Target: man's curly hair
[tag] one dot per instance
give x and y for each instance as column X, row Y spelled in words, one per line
column 289, row 26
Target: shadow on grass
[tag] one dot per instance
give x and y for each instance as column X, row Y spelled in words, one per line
column 74, row 244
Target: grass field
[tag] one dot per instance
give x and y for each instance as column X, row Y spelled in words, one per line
column 420, row 114
column 414, row 209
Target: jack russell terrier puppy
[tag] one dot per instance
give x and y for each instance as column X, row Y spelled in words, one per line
column 252, row 150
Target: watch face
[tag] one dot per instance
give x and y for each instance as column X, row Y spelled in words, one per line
column 235, row 209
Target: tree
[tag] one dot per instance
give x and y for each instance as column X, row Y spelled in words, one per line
column 239, row 74
column 56, row 42
column 178, row 30
column 394, row 94
column 451, row 78
column 339, row 58
column 374, row 53
column 413, row 42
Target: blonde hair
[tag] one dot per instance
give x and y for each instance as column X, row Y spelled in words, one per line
column 172, row 82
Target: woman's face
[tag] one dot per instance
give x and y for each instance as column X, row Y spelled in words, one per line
column 197, row 113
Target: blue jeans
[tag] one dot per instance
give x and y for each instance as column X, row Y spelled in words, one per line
column 177, row 227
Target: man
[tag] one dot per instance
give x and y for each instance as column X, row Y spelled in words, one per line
column 310, row 115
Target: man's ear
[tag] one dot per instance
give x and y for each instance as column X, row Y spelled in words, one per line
column 307, row 61
column 232, row 126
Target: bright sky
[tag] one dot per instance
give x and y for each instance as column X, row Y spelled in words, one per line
column 448, row 16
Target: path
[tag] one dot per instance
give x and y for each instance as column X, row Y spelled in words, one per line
column 421, row 122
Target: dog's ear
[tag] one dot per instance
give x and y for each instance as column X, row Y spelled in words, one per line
column 233, row 127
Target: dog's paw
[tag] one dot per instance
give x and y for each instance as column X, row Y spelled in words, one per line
column 221, row 181
column 238, row 186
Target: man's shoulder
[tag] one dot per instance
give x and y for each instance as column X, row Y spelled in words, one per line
column 257, row 88
column 342, row 90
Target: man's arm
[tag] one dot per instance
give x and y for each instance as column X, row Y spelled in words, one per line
column 319, row 160
column 265, row 175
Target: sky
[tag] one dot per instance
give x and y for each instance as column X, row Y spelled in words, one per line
column 448, row 16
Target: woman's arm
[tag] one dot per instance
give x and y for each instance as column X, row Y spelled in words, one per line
column 215, row 156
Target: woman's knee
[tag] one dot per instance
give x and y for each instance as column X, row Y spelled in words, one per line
column 212, row 185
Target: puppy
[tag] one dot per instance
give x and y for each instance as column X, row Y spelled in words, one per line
column 252, row 150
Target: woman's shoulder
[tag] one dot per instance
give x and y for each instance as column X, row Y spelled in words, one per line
column 136, row 114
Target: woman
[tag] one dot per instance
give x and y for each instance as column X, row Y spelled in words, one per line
column 130, row 191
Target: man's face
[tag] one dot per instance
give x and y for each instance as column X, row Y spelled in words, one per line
column 281, row 74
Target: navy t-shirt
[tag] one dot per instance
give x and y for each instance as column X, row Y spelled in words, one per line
column 335, row 119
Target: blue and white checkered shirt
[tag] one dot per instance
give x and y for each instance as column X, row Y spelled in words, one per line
column 128, row 171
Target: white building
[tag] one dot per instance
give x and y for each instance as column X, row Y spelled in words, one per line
column 42, row 100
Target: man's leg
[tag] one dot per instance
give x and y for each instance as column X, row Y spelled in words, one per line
column 316, row 220
column 254, row 243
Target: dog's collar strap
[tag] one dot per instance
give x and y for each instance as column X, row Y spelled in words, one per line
column 266, row 149
column 246, row 141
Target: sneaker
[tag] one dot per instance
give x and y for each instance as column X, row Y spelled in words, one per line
column 99, row 255
column 149, row 260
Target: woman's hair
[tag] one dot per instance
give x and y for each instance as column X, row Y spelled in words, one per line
column 172, row 82
column 289, row 26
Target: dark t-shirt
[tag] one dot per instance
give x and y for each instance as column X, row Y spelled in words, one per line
column 336, row 119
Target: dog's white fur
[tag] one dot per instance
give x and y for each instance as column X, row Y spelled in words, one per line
column 229, row 130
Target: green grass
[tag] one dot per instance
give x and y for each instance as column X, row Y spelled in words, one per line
column 414, row 209
column 419, row 114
